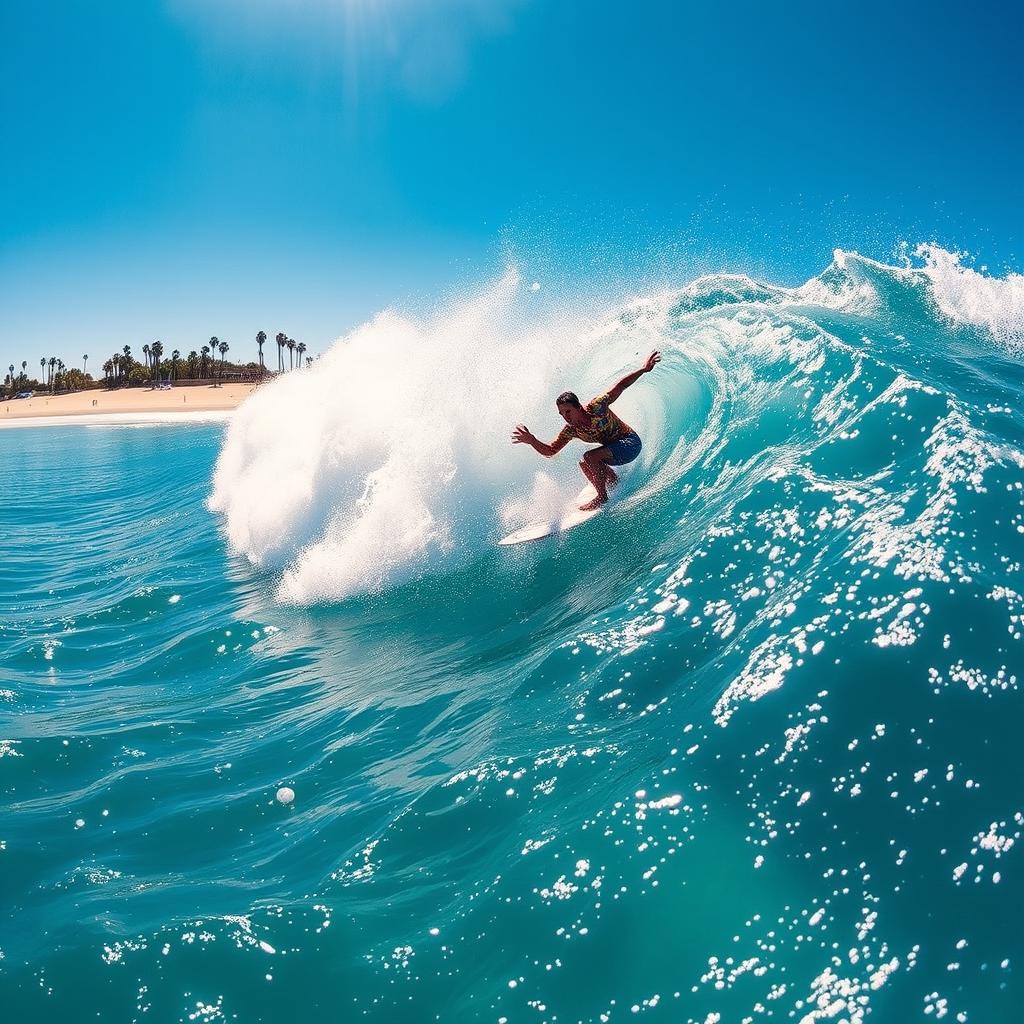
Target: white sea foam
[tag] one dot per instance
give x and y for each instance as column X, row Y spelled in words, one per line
column 966, row 296
column 394, row 450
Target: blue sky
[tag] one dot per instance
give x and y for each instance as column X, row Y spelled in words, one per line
column 185, row 168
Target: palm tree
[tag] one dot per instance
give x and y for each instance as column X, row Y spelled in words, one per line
column 291, row 352
column 157, row 348
column 222, row 348
column 300, row 349
column 280, row 339
column 42, row 369
column 206, row 351
column 24, row 365
column 193, row 362
column 175, row 356
column 52, row 364
column 260, row 339
column 147, row 352
column 12, row 378
column 85, row 359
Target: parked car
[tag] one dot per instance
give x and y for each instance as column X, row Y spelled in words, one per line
column 25, row 394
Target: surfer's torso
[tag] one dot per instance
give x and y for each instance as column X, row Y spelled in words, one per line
column 603, row 426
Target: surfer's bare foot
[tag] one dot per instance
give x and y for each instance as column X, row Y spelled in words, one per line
column 596, row 503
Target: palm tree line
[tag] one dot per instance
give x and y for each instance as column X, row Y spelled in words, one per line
column 54, row 375
column 284, row 342
column 122, row 369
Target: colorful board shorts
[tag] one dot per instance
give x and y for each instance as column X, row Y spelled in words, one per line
column 624, row 450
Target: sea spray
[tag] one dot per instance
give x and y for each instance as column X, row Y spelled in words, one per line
column 392, row 453
column 967, row 296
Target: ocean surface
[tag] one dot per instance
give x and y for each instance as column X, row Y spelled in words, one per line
column 745, row 747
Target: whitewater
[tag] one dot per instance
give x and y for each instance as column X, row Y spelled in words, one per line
column 742, row 748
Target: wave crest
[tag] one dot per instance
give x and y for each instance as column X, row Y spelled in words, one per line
column 390, row 457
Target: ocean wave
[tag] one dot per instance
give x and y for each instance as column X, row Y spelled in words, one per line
column 759, row 717
column 388, row 459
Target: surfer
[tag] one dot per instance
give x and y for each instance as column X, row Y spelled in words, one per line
column 594, row 423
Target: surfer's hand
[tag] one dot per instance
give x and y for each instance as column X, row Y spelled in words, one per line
column 654, row 357
column 521, row 435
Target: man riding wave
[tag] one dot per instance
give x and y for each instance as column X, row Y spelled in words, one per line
column 594, row 423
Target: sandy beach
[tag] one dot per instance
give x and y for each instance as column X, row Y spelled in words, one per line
column 121, row 403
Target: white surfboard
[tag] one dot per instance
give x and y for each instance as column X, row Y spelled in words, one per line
column 566, row 520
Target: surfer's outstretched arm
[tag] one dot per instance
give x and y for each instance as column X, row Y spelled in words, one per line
column 522, row 436
column 632, row 378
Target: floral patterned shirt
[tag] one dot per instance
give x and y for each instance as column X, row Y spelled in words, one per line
column 604, row 426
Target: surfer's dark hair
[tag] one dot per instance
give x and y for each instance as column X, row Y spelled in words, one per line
column 567, row 398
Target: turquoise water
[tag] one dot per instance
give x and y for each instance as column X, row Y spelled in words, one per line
column 744, row 745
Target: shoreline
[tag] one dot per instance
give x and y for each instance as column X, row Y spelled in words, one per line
column 122, row 419
column 126, row 406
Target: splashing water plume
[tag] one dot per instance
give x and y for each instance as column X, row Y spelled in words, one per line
column 969, row 297
column 392, row 452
